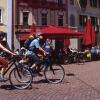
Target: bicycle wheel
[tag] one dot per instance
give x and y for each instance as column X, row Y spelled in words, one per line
column 54, row 73
column 19, row 77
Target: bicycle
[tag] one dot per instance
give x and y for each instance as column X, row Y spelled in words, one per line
column 77, row 57
column 54, row 73
column 16, row 77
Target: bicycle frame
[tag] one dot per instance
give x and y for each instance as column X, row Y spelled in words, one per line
column 10, row 64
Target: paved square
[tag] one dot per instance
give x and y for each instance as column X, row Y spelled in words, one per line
column 81, row 82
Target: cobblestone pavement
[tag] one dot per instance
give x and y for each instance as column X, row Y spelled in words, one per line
column 81, row 82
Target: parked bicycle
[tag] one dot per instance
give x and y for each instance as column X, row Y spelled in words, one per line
column 76, row 57
column 16, row 74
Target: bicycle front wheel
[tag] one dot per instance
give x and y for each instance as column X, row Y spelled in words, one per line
column 19, row 78
column 54, row 74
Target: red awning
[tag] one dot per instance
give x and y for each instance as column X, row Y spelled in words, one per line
column 56, row 32
column 51, row 30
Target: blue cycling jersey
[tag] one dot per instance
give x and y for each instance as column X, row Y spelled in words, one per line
column 34, row 45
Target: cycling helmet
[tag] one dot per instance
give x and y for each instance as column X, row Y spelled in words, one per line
column 39, row 34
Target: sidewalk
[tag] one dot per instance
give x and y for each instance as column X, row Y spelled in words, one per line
column 82, row 82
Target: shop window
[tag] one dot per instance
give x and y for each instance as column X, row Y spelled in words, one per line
column 72, row 20
column 44, row 19
column 25, row 18
column 60, row 20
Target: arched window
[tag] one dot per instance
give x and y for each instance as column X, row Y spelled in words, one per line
column 72, row 20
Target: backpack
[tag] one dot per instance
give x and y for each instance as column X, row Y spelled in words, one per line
column 27, row 43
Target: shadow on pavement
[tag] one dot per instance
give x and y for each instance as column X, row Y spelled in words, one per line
column 7, row 87
column 70, row 74
column 10, row 87
column 40, row 81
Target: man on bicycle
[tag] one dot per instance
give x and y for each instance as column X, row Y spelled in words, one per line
column 34, row 49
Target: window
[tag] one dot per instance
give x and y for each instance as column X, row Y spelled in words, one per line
column 93, row 3
column 72, row 20
column 25, row 18
column 60, row 2
column 44, row 19
column 99, row 21
column 43, row 2
column 94, row 21
column 82, row 20
column 83, row 3
column 72, row 2
column 99, row 3
column 0, row 16
column 60, row 20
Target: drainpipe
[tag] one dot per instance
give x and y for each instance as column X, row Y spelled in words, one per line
column 9, row 23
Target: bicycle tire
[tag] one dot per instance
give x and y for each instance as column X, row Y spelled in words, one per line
column 19, row 80
column 54, row 74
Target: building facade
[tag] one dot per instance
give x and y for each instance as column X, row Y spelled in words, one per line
column 6, row 19
column 78, row 10
column 40, row 12
column 3, row 17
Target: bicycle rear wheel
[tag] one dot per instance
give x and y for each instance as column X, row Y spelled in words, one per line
column 54, row 73
column 19, row 78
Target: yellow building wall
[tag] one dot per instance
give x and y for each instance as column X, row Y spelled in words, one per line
column 3, row 7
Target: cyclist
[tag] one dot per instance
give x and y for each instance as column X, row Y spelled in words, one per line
column 34, row 49
column 3, row 62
